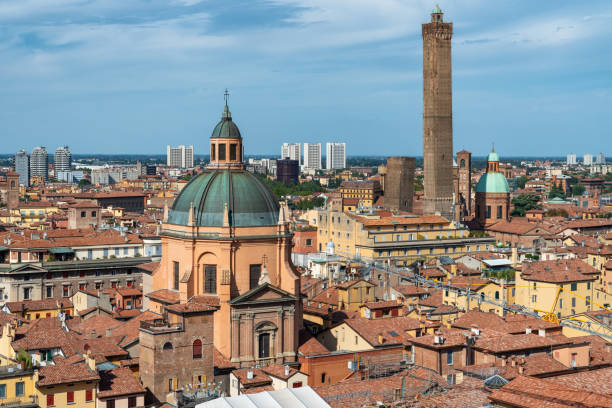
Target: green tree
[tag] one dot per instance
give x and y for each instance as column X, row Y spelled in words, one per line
column 84, row 182
column 521, row 181
column 556, row 192
column 523, row 203
column 578, row 189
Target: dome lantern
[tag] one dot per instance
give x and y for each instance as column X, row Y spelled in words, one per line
column 226, row 150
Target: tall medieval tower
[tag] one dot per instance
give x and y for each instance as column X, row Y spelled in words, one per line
column 437, row 116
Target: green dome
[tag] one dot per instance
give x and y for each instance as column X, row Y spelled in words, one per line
column 492, row 182
column 250, row 202
column 437, row 10
column 493, row 157
column 226, row 128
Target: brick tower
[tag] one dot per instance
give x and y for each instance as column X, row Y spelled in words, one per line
column 399, row 182
column 464, row 183
column 437, row 116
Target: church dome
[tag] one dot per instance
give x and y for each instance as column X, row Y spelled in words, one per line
column 226, row 128
column 492, row 182
column 249, row 201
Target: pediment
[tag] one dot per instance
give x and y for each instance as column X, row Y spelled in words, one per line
column 265, row 293
column 28, row 268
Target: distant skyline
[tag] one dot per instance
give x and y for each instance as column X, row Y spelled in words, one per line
column 131, row 77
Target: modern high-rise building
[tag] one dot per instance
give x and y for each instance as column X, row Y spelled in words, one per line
column 437, row 116
column 335, row 156
column 292, row 151
column 39, row 163
column 22, row 167
column 312, row 156
column 181, row 156
column 587, row 159
column 571, row 159
column 600, row 159
column 62, row 160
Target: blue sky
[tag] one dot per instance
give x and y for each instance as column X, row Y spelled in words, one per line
column 534, row 78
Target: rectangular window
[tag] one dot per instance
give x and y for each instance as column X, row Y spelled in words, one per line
column 66, row 291
column 588, row 285
column 106, row 252
column 233, row 151
column 110, row 403
column 2, row 391
column 222, row 152
column 212, row 152
column 26, row 293
column 131, row 402
column 114, row 284
column 19, row 389
column 210, row 278
column 573, row 287
column 88, row 395
column 82, row 286
column 573, row 302
column 488, row 211
column 588, row 300
column 176, row 275
column 449, row 358
column 534, row 298
column 125, row 251
column 70, row 397
column 499, row 211
column 116, row 251
column 254, row 275
column 89, row 253
column 49, row 291
column 50, row 400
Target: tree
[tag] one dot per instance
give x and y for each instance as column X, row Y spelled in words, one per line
column 578, row 189
column 84, row 182
column 556, row 192
column 523, row 203
column 521, row 181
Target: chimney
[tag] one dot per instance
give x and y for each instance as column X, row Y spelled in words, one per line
column 513, row 361
column 286, row 370
column 92, row 334
column 475, row 330
column 454, row 269
column 521, row 369
column 503, row 361
column 249, row 374
column 542, row 332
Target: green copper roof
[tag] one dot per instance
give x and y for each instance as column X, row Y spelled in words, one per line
column 437, row 10
column 226, row 128
column 493, row 157
column 492, row 183
column 250, row 202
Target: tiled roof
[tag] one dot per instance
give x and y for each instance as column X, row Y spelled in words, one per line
column 559, row 271
column 35, row 305
column 98, row 324
column 393, row 330
column 309, row 345
column 46, row 333
column 329, row 296
column 191, row 307
column 506, row 343
column 452, row 338
column 278, row 371
column 65, row 371
column 533, row 392
column 129, row 291
column 164, row 295
column 259, row 377
column 118, row 382
column 411, row 290
column 220, row 361
column 386, row 304
column 462, row 282
column 149, row 266
column 130, row 329
column 107, row 347
column 470, row 393
column 599, row 381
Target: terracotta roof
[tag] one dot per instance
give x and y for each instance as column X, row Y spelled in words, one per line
column 309, row 345
column 259, row 377
column 386, row 304
column 107, row 347
column 149, row 266
column 220, row 361
column 118, row 382
column 66, row 370
column 559, row 271
column 470, row 393
column 533, row 392
column 35, row 305
column 191, row 307
column 98, row 324
column 390, row 220
column 451, row 338
column 411, row 290
column 328, row 296
column 393, row 330
column 278, row 371
column 463, row 282
column 46, row 333
column 164, row 295
column 130, row 329
column 506, row 343
column 129, row 291
column 432, row 273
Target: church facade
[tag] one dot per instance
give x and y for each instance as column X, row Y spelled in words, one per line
column 226, row 241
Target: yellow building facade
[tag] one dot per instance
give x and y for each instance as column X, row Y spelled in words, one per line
column 395, row 239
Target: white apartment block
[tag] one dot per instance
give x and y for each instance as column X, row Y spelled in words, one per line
column 335, row 156
column 600, row 159
column 571, row 159
column 587, row 159
column 312, row 156
column 292, row 151
column 179, row 157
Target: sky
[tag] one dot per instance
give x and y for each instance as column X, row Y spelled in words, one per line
column 129, row 77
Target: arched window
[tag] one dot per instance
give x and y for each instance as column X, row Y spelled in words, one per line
column 168, row 346
column 197, row 349
column 462, row 163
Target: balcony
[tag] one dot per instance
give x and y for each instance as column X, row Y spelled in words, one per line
column 159, row 326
